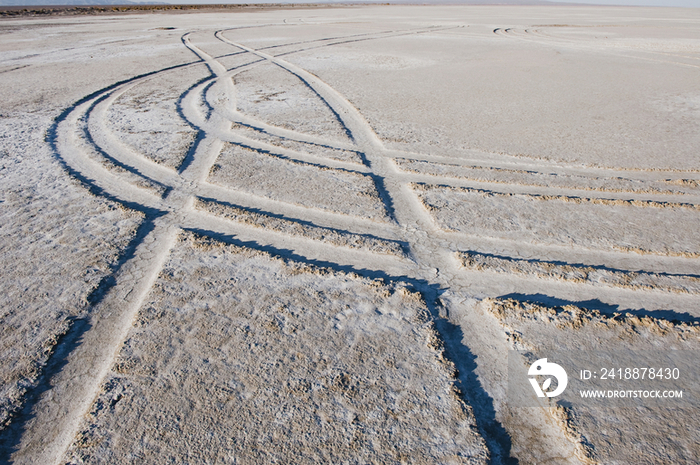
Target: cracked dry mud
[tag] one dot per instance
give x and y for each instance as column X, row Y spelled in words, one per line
column 314, row 236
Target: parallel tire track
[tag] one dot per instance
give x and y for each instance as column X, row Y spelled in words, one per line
column 209, row 106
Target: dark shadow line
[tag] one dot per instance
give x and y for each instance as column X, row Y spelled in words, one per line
column 88, row 136
column 590, row 200
column 337, row 116
column 14, row 69
column 92, row 187
column 606, row 309
column 205, row 101
column 97, row 191
column 64, row 114
column 11, row 436
column 184, row 42
column 178, row 103
column 496, row 437
column 78, row 329
column 300, row 162
column 52, row 139
column 144, row 229
column 383, row 192
column 486, row 167
column 250, row 63
column 335, row 113
column 363, row 157
column 68, row 49
column 289, row 254
column 331, row 38
column 229, row 54
column 403, row 244
column 210, row 109
column 221, row 31
column 378, row 180
column 189, row 157
column 324, row 146
column 579, row 265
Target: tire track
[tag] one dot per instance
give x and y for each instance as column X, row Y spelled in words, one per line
column 409, row 209
column 486, row 173
column 535, row 36
column 210, row 107
column 435, row 263
column 551, row 37
column 579, row 222
column 58, row 413
column 582, row 274
column 147, row 168
column 298, row 228
column 525, row 162
column 56, row 416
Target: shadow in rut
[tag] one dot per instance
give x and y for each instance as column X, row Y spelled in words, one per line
column 403, row 244
column 474, row 393
column 584, row 267
column 607, row 309
column 495, row 435
column 11, row 436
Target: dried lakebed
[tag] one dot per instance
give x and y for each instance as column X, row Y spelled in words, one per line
column 316, row 235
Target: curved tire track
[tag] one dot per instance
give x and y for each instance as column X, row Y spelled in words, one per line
column 209, row 106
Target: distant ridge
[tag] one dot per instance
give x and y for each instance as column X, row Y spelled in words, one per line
column 73, row 2
column 49, row 3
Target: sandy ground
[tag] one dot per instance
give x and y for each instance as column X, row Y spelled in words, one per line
column 316, row 236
